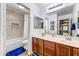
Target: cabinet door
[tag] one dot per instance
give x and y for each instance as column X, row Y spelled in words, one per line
column 75, row 52
column 34, row 45
column 49, row 48
column 40, row 47
column 62, row 50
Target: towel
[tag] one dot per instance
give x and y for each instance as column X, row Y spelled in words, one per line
column 73, row 27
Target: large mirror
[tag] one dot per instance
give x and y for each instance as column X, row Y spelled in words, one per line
column 52, row 25
column 78, row 28
column 78, row 20
column 38, row 22
column 64, row 26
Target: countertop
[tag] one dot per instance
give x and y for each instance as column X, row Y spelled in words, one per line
column 60, row 39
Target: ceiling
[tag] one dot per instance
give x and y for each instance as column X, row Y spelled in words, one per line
column 66, row 10
column 15, row 7
column 63, row 11
column 40, row 5
column 60, row 12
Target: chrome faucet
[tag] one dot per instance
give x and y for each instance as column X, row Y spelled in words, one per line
column 67, row 36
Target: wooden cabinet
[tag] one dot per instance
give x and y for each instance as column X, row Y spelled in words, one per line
column 49, row 48
column 37, row 46
column 40, row 47
column 62, row 50
column 34, row 45
column 75, row 51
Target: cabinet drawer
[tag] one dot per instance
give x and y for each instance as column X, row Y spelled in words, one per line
column 49, row 44
column 48, row 51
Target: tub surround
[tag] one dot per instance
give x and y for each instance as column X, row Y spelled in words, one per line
column 54, row 46
column 16, row 43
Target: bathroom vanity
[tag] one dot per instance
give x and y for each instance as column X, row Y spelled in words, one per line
column 54, row 46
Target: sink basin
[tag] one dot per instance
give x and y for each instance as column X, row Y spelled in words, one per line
column 75, row 39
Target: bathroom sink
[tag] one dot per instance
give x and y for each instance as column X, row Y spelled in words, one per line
column 59, row 36
column 75, row 39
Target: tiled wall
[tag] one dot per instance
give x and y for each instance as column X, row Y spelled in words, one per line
column 14, row 25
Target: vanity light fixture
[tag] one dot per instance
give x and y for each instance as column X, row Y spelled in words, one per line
column 55, row 6
column 20, row 6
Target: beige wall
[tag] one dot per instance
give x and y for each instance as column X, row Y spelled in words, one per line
column 14, row 24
